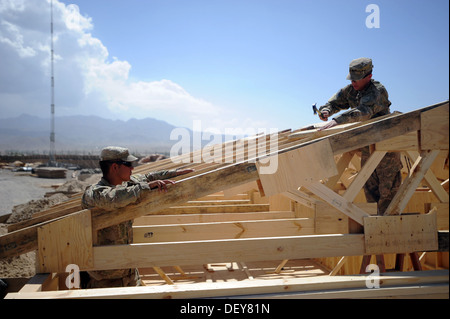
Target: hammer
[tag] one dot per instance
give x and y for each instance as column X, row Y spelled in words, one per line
column 315, row 110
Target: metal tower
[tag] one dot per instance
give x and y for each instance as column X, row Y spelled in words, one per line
column 52, row 161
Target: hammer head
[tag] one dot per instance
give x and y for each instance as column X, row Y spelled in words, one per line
column 315, row 110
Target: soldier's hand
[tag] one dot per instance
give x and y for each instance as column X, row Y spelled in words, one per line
column 328, row 125
column 161, row 185
column 323, row 115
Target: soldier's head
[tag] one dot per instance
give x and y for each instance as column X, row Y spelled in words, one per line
column 360, row 73
column 116, row 164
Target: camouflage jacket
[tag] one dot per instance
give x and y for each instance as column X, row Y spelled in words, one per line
column 371, row 102
column 109, row 197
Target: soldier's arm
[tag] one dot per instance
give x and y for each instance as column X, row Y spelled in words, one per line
column 371, row 104
column 110, row 198
column 166, row 174
column 337, row 102
column 161, row 175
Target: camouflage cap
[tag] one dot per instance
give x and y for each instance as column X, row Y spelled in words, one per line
column 115, row 153
column 359, row 68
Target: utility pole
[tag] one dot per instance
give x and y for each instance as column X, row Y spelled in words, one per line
column 52, row 161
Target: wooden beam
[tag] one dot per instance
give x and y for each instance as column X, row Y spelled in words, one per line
column 328, row 220
column 74, row 207
column 434, row 128
column 363, row 175
column 432, row 181
column 339, row 265
column 211, row 218
column 352, row 286
column 338, row 202
column 214, row 209
column 301, row 198
column 406, row 142
column 223, row 230
column 409, row 185
column 218, row 251
column 380, row 130
column 341, row 165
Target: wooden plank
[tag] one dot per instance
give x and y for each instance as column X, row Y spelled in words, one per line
column 241, row 189
column 337, row 201
column 223, row 230
column 363, row 175
column 301, row 197
column 210, row 218
column 341, row 165
column 328, row 220
column 270, row 288
column 42, row 218
column 37, row 283
column 214, row 209
column 409, row 185
column 218, row 251
column 297, row 167
column 375, row 132
column 442, row 213
column 432, row 181
column 400, row 234
column 66, row 241
column 406, row 142
column 218, row 202
column 434, row 128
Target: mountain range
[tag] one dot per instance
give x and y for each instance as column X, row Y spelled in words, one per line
column 84, row 134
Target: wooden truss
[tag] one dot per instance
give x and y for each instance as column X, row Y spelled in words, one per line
column 185, row 227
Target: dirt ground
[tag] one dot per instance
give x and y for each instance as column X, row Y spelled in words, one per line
column 21, row 195
column 20, row 187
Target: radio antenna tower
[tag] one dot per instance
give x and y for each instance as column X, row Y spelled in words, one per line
column 52, row 161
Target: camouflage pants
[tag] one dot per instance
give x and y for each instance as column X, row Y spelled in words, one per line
column 384, row 182
column 121, row 234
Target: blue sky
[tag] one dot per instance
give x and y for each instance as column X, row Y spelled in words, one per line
column 228, row 63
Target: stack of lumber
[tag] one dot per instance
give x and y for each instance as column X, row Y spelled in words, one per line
column 50, row 172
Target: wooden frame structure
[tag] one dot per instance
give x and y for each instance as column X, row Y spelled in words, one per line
column 320, row 217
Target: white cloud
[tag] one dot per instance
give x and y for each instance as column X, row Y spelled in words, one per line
column 87, row 80
column 10, row 35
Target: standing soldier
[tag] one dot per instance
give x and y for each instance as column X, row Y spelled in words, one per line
column 118, row 188
column 366, row 99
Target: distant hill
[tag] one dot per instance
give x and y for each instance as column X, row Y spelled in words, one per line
column 84, row 134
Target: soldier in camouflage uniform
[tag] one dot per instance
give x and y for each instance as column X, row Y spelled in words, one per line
column 118, row 188
column 366, row 99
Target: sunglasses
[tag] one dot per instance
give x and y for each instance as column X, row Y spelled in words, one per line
column 128, row 164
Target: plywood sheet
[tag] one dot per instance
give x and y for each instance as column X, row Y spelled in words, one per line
column 66, row 241
column 298, row 167
column 434, row 128
column 400, row 234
